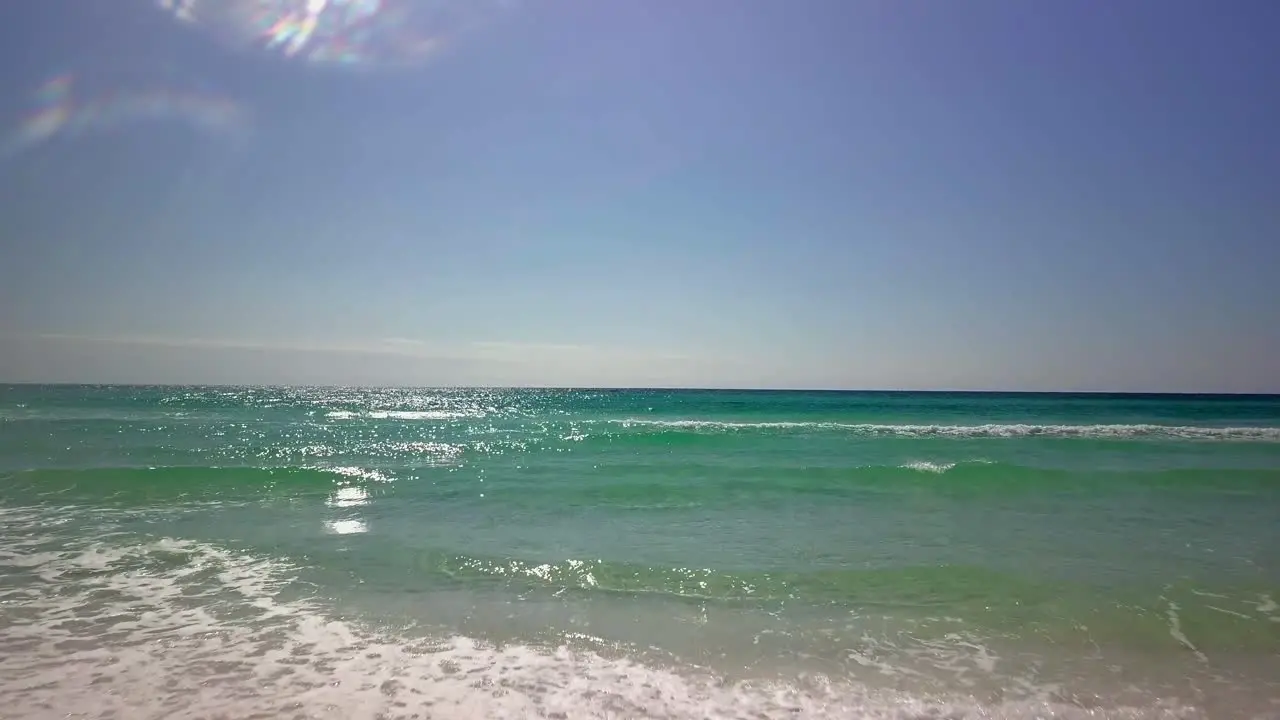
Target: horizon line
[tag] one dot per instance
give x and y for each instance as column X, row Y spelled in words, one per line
column 653, row 388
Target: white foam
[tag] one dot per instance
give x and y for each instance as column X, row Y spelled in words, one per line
column 173, row 628
column 991, row 430
column 421, row 415
column 1267, row 607
column 1175, row 630
column 929, row 467
column 405, row 414
column 1225, row 611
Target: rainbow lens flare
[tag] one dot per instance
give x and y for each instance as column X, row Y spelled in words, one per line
column 61, row 109
column 356, row 33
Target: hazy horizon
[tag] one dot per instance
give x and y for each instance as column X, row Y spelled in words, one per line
column 653, row 388
column 739, row 195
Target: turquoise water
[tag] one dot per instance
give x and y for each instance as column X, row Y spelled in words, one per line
column 245, row 552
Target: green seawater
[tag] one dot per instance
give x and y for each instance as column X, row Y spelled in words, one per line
column 321, row 552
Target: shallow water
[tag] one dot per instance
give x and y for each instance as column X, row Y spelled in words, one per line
column 242, row 552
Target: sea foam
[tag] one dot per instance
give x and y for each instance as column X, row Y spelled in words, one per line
column 178, row 628
column 992, row 430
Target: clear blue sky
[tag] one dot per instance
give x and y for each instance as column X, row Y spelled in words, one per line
column 832, row 193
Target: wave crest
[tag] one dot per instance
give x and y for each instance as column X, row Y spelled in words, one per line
column 990, row 430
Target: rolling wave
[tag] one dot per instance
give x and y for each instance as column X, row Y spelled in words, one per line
column 404, row 414
column 965, row 590
column 630, row 487
column 1017, row 430
column 159, row 485
column 942, row 586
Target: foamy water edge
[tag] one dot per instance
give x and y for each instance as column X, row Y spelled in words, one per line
column 168, row 628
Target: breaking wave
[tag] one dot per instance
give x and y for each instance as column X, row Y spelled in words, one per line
column 165, row 628
column 1100, row 432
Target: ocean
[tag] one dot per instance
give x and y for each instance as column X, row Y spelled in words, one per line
column 220, row 552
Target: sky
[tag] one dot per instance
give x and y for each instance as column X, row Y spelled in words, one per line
column 864, row 194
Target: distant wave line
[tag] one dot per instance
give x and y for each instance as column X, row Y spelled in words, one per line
column 990, row 430
column 404, row 414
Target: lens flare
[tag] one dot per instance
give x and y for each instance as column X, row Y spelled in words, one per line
column 59, row 110
column 353, row 33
